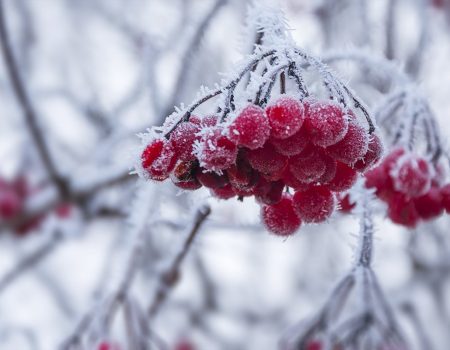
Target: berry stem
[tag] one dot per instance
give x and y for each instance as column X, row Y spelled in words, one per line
column 364, row 253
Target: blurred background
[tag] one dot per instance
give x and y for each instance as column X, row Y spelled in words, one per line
column 98, row 72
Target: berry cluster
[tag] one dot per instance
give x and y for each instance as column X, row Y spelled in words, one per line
column 411, row 186
column 314, row 147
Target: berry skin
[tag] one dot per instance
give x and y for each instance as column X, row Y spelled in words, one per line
column 267, row 160
column 286, row 117
column 182, row 140
column 330, row 170
column 183, row 176
column 411, row 175
column 379, row 179
column 241, row 175
column 429, row 205
column 352, row 147
column 326, row 123
column 211, row 180
column 158, row 159
column 310, row 165
column 10, row 204
column 195, row 120
column 315, row 204
column 345, row 204
column 225, row 192
column 251, row 128
column 372, row 156
column 402, row 211
column 291, row 181
column 344, row 178
column 217, row 152
column 445, row 192
column 280, row 218
column 210, row 120
column 292, row 145
column 268, row 192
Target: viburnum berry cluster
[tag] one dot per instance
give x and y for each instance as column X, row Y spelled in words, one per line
column 412, row 186
column 291, row 151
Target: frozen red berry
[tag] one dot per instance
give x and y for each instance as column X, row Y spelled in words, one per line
column 286, row 117
column 183, row 176
column 429, row 205
column 280, row 218
column 225, row 192
column 402, row 211
column 250, row 128
column 291, row 181
column 326, row 123
column 158, row 159
column 292, row 145
column 268, row 192
column 241, row 175
column 195, row 120
column 372, row 156
column 211, row 179
column 216, row 151
column 346, row 204
column 315, row 204
column 10, row 204
column 345, row 177
column 411, row 175
column 182, row 140
column 309, row 165
column 267, row 160
column 210, row 120
column 330, row 170
column 352, row 147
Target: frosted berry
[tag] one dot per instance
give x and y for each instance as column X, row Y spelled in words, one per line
column 330, row 169
column 309, row 165
column 211, row 179
column 291, row 181
column 158, row 159
column 344, row 178
column 379, row 179
column 280, row 218
column 267, row 160
column 372, row 156
column 326, row 123
column 352, row 147
column 182, row 140
column 292, row 145
column 225, row 192
column 445, row 192
column 315, row 204
column 195, row 120
column 402, row 211
column 216, row 151
column 10, row 204
column 183, row 176
column 411, row 175
column 251, row 128
column 346, row 205
column 429, row 205
column 241, row 175
column 286, row 117
column 268, row 192
column 210, row 120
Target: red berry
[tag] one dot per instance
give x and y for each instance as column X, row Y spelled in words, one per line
column 267, row 160
column 411, row 175
column 182, row 140
column 225, row 192
column 217, row 151
column 310, row 165
column 158, row 159
column 372, row 156
column 280, row 218
column 429, row 205
column 344, row 179
column 211, row 179
column 292, row 145
column 251, row 128
column 241, row 175
column 268, row 192
column 195, row 120
column 330, row 170
column 286, row 117
column 445, row 192
column 291, row 181
column 10, row 204
column 345, row 204
column 183, row 176
column 352, row 147
column 402, row 211
column 210, row 120
column 315, row 204
column 326, row 123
